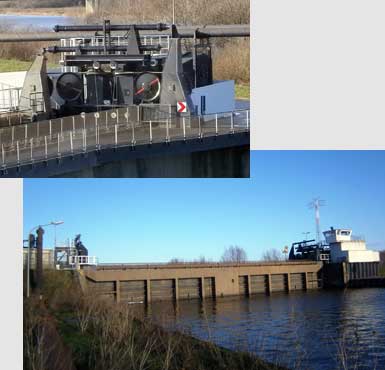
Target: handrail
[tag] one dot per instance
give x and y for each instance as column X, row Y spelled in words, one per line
column 67, row 136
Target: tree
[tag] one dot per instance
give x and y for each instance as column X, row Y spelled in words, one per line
column 272, row 255
column 234, row 254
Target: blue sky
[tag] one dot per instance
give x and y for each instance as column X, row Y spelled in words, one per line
column 151, row 220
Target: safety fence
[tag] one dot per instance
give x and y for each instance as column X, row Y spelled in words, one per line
column 39, row 141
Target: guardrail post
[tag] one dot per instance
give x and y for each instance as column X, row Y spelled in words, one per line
column 184, row 128
column 31, row 142
column 84, row 141
column 45, row 147
column 216, row 124
column 247, row 119
column 167, row 133
column 73, row 124
column 17, row 152
column 150, row 132
column 116, row 135
column 2, row 155
column 127, row 116
column 71, row 143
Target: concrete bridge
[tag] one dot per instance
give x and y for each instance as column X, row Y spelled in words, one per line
column 153, row 282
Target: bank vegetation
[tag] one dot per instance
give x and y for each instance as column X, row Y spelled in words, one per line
column 67, row 330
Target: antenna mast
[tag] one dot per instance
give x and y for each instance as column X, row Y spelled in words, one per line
column 315, row 204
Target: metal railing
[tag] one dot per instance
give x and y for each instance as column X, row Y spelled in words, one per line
column 9, row 97
column 67, row 136
column 83, row 260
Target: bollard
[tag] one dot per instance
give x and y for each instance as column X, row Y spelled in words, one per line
column 73, row 124
column 184, row 129
column 116, row 135
column 232, row 123
column 247, row 119
column 13, row 134
column 61, row 127
column 58, row 146
column 199, row 127
column 26, row 133
column 50, row 130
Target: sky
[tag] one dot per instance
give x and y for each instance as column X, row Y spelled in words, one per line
column 154, row 220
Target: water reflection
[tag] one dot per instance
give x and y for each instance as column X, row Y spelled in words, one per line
column 312, row 330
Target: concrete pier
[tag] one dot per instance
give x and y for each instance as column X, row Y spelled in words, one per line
column 146, row 283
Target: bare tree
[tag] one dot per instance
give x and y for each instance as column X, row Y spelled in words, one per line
column 176, row 260
column 272, row 255
column 234, row 254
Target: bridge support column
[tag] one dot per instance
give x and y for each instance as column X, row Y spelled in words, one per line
column 148, row 291
column 288, row 282
column 176, row 289
column 248, row 285
column 269, row 290
column 117, row 291
column 202, row 288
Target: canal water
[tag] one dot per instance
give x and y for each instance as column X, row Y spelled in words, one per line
column 36, row 22
column 306, row 330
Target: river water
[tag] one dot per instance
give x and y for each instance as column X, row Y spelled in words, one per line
column 306, row 330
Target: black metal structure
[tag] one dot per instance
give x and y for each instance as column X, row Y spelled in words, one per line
column 308, row 250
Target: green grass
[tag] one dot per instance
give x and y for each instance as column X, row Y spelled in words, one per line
column 14, row 65
column 242, row 91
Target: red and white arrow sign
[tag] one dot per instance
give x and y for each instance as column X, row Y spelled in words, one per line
column 181, row 107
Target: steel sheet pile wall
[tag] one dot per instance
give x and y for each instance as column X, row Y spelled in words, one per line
column 103, row 289
column 279, row 283
column 297, row 281
column 209, row 290
column 189, row 288
column 259, row 284
column 133, row 291
column 162, row 290
column 243, row 285
column 312, row 280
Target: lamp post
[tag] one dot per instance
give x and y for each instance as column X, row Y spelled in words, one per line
column 54, row 223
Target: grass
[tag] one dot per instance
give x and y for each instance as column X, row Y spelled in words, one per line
column 13, row 65
column 242, row 91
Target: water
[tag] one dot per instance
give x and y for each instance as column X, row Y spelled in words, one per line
column 305, row 330
column 37, row 22
column 242, row 104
